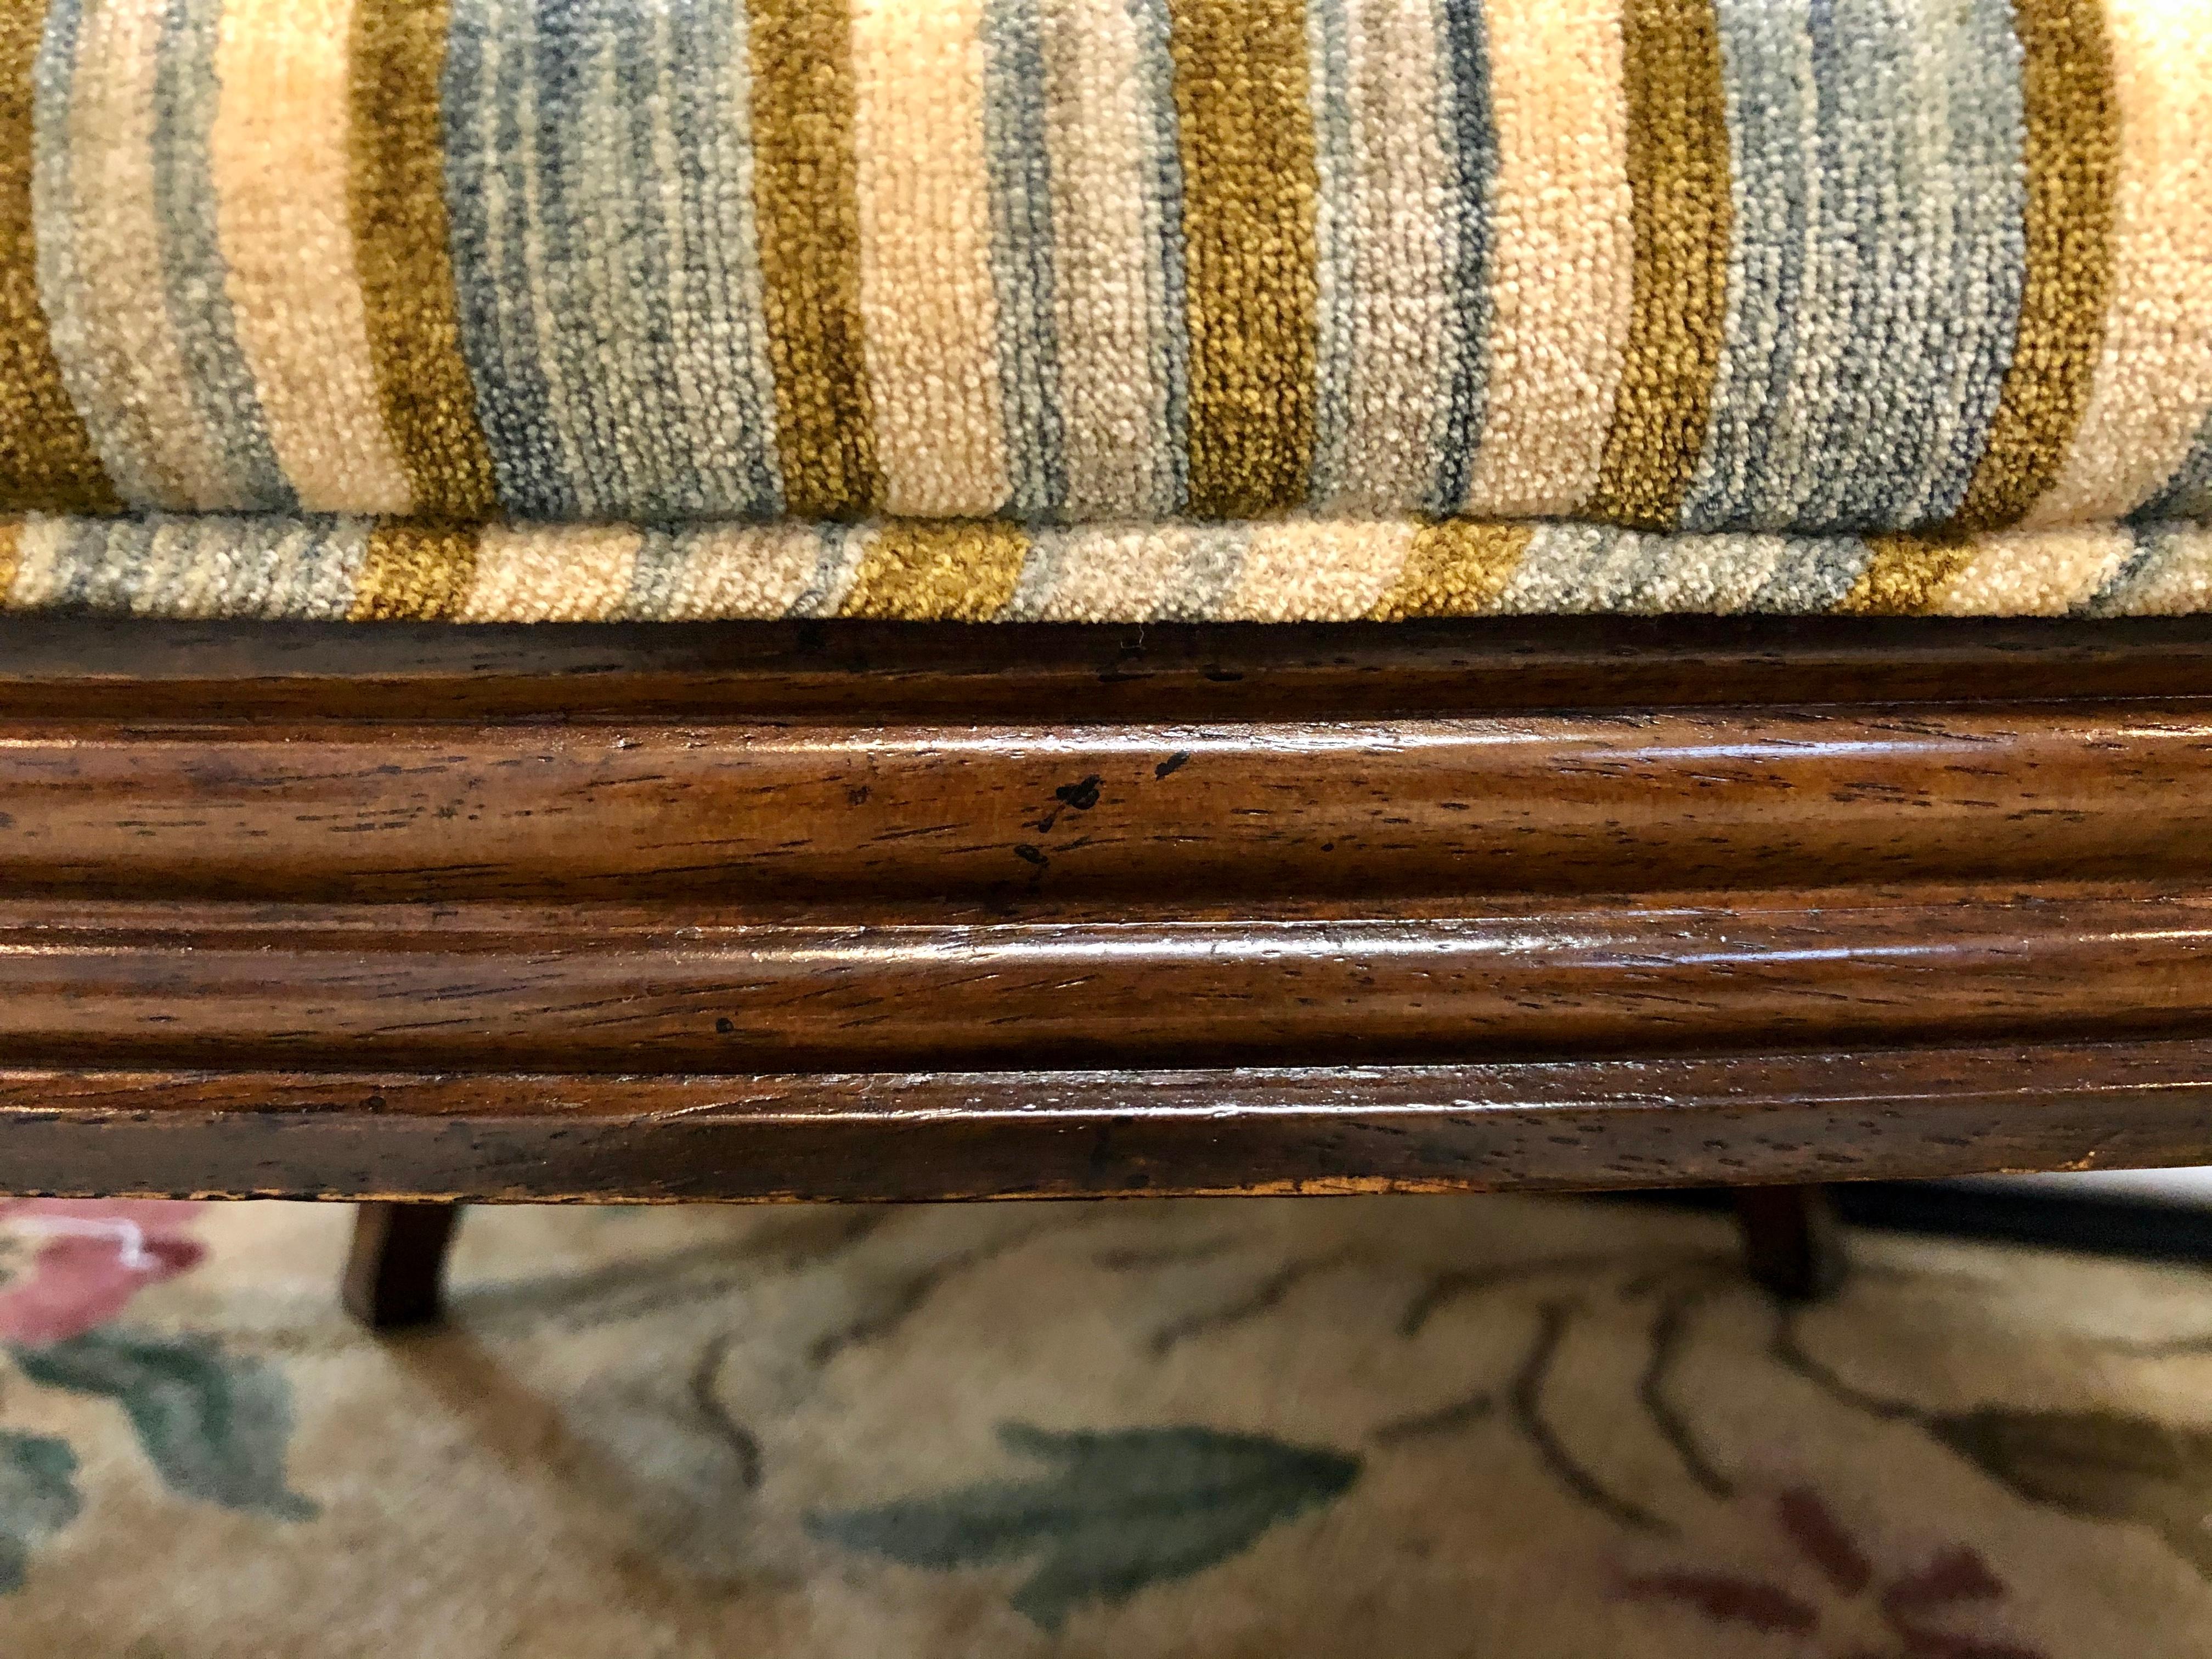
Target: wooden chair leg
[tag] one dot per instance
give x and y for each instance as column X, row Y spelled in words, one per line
column 395, row 1274
column 1792, row 1242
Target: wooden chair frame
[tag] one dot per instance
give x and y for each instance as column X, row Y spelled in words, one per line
column 424, row 915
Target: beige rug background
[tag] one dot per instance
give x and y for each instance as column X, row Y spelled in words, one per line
column 1351, row 1426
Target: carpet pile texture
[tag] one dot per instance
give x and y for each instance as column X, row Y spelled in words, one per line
column 1223, row 1429
column 1105, row 309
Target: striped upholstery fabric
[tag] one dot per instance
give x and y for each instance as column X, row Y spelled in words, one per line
column 1104, row 308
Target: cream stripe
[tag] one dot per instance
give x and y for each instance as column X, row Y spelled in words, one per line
column 1398, row 303
column 744, row 570
column 1111, row 573
column 1304, row 570
column 1108, row 282
column 550, row 573
column 41, row 561
column 144, row 413
column 279, row 160
column 1563, row 254
column 927, row 300
column 2153, row 377
column 2043, row 574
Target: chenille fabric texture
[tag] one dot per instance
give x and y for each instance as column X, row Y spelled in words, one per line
column 1105, row 309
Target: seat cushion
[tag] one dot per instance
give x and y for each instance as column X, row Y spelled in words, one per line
column 1294, row 569
column 1281, row 308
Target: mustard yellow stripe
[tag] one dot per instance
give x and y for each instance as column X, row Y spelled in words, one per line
column 2072, row 163
column 11, row 555
column 1905, row 575
column 1249, row 185
column 806, row 200
column 1681, row 218
column 46, row 457
column 415, row 571
column 1456, row 568
column 398, row 208
column 937, row 572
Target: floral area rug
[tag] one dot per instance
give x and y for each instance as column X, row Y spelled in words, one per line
column 1414, row 1426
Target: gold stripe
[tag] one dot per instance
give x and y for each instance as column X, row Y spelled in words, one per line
column 46, row 457
column 806, row 200
column 1249, row 186
column 1678, row 177
column 11, row 556
column 2072, row 158
column 1905, row 575
column 399, row 206
column 953, row 571
column 1456, row 567
column 415, row 571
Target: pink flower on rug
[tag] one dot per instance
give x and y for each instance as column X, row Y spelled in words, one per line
column 1859, row 1610
column 93, row 1256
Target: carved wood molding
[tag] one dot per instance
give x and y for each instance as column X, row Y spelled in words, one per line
column 774, row 911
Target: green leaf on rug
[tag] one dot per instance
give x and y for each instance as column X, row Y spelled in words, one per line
column 214, row 1424
column 2098, row 1464
column 1118, row 1511
column 37, row 1496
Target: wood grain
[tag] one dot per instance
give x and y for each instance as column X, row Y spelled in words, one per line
column 754, row 911
column 1528, row 803
column 634, row 989
column 1533, row 1125
column 863, row 671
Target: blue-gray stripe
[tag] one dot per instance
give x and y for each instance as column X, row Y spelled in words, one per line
column 317, row 577
column 194, row 273
column 569, row 133
column 488, row 169
column 1815, row 574
column 102, row 558
column 2187, row 493
column 1020, row 163
column 721, row 320
column 1765, row 79
column 1977, row 290
column 1157, row 58
column 655, row 573
column 1470, row 141
column 1874, row 276
column 600, row 182
column 1335, row 331
column 2149, row 545
column 1871, row 427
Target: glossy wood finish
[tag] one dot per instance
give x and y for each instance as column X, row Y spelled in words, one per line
column 578, row 988
column 1567, row 803
column 1533, row 1125
column 795, row 912
column 898, row 672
